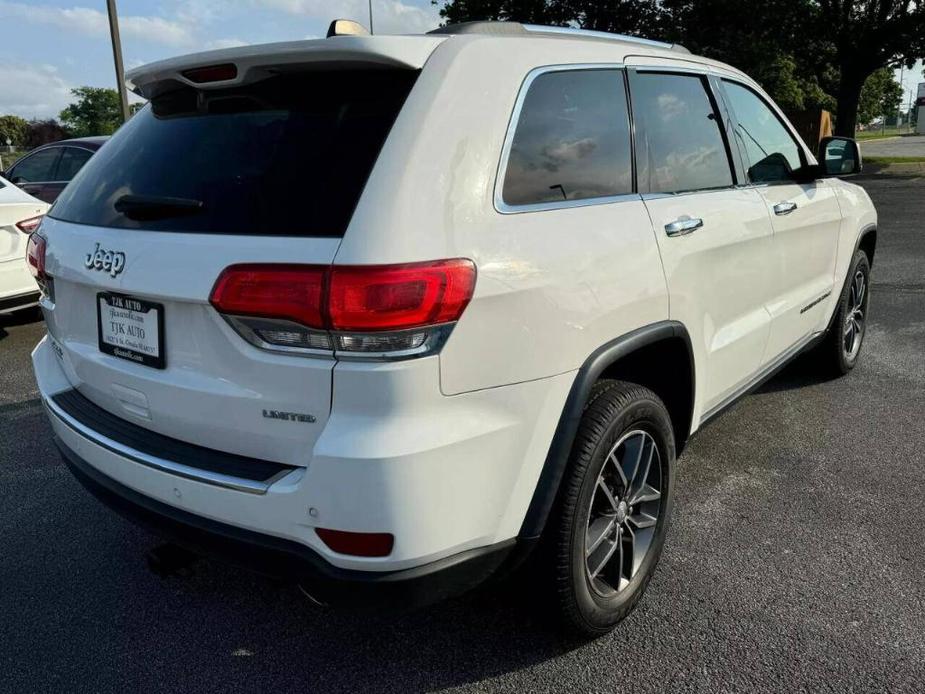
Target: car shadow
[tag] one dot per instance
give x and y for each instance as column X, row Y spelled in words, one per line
column 801, row 372
column 24, row 317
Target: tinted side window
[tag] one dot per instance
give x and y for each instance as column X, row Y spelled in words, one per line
column 572, row 140
column 72, row 160
column 39, row 167
column 679, row 143
column 771, row 152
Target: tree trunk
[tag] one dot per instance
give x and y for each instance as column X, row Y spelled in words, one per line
column 849, row 96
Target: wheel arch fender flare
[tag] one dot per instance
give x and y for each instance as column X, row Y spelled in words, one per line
column 866, row 231
column 560, row 448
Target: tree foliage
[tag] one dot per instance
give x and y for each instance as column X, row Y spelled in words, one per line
column 881, row 96
column 97, row 111
column 805, row 53
column 13, row 128
column 41, row 132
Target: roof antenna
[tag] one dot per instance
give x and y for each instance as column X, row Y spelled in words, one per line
column 371, row 16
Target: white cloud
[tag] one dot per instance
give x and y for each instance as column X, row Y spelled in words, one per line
column 32, row 91
column 224, row 43
column 389, row 16
column 95, row 23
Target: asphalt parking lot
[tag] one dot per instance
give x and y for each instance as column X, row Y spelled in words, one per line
column 796, row 560
column 905, row 146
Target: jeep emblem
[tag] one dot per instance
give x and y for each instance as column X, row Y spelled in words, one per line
column 112, row 262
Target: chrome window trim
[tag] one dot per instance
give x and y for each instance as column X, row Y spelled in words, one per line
column 214, row 478
column 500, row 205
column 682, row 193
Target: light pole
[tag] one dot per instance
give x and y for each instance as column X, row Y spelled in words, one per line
column 117, row 56
column 370, row 16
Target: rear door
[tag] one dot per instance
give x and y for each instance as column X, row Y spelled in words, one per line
column 805, row 217
column 199, row 180
column 714, row 238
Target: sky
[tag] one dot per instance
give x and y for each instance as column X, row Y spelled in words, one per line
column 50, row 46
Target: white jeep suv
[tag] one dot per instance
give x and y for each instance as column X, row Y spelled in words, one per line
column 386, row 313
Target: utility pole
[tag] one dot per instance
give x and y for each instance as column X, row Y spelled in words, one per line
column 370, row 16
column 117, row 57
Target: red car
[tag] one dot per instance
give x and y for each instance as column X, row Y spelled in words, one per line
column 45, row 171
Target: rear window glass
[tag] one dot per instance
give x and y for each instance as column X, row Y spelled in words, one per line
column 288, row 156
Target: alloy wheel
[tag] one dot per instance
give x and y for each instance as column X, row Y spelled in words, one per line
column 623, row 513
column 855, row 316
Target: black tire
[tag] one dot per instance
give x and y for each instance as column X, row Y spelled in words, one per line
column 833, row 355
column 616, row 412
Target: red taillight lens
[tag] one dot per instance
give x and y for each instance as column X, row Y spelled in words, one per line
column 27, row 226
column 357, row 544
column 35, row 256
column 398, row 297
column 292, row 292
column 212, row 73
column 396, row 311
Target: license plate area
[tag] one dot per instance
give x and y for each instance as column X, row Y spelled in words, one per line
column 131, row 329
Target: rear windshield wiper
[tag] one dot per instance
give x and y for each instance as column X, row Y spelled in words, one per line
column 147, row 207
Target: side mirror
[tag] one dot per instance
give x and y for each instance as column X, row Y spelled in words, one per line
column 840, row 156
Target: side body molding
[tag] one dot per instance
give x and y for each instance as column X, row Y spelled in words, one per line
column 557, row 458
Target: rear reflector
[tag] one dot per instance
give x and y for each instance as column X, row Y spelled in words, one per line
column 35, row 256
column 27, row 226
column 212, row 73
column 357, row 544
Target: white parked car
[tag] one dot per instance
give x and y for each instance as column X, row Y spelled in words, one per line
column 20, row 214
column 388, row 313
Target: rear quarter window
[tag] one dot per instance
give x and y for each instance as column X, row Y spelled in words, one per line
column 287, row 156
column 571, row 141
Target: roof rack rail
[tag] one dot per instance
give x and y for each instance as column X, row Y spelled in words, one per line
column 497, row 28
column 518, row 29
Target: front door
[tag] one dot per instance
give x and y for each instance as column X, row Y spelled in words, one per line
column 714, row 238
column 34, row 172
column 805, row 216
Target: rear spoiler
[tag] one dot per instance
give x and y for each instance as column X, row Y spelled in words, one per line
column 246, row 64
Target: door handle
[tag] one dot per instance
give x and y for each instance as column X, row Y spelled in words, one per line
column 784, row 208
column 683, row 226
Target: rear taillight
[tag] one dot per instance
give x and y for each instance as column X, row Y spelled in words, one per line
column 35, row 256
column 386, row 310
column 399, row 297
column 27, row 226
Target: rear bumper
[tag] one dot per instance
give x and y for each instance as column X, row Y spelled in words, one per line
column 278, row 557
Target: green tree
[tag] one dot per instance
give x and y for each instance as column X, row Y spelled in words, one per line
column 41, row 132
column 806, row 53
column 14, row 128
column 881, row 96
column 97, row 111
column 868, row 35
column 771, row 41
